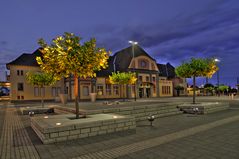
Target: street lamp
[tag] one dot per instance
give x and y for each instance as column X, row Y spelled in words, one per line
column 217, row 60
column 134, row 43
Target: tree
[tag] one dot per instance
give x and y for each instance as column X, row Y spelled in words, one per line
column 209, row 88
column 122, row 78
column 223, row 88
column 178, row 88
column 40, row 80
column 197, row 68
column 65, row 56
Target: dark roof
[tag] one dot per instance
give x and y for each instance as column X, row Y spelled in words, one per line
column 123, row 57
column 166, row 70
column 108, row 71
column 120, row 61
column 26, row 59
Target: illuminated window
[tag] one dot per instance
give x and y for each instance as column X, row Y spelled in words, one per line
column 100, row 89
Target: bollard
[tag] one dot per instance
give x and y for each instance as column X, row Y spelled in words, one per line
column 151, row 119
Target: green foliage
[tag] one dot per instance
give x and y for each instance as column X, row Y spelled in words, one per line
column 40, row 79
column 223, row 88
column 65, row 56
column 122, row 78
column 197, row 68
column 179, row 87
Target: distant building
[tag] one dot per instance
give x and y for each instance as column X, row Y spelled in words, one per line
column 153, row 80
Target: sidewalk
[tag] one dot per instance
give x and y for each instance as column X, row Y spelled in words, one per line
column 170, row 137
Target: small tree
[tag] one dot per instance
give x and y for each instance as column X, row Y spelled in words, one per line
column 40, row 80
column 122, row 78
column 197, row 68
column 65, row 56
column 223, row 88
column 209, row 88
column 178, row 88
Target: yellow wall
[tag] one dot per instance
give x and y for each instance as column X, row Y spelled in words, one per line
column 28, row 92
column 165, row 88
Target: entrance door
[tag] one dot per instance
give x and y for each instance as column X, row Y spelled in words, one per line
column 147, row 92
column 141, row 92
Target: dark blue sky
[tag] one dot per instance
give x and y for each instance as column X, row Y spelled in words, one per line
column 169, row 30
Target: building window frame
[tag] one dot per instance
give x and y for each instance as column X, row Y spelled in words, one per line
column 100, row 89
column 108, row 89
column 20, row 86
column 116, row 89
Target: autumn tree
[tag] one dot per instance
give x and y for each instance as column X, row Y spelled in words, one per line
column 40, row 80
column 197, row 68
column 66, row 56
column 122, row 78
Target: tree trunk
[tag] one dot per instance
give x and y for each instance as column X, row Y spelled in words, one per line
column 194, row 89
column 178, row 92
column 76, row 92
column 42, row 97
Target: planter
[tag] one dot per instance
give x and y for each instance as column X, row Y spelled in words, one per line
column 92, row 97
column 63, row 98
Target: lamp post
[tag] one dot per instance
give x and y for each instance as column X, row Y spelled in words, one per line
column 217, row 60
column 134, row 43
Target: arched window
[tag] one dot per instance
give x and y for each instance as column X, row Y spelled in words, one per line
column 143, row 64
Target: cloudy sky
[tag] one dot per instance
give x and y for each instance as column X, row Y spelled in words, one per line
column 169, row 30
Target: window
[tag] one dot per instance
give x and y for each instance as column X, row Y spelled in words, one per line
column 143, row 64
column 20, row 72
column 166, row 90
column 37, row 92
column 20, row 87
column 55, row 91
column 108, row 89
column 140, row 78
column 18, row 97
column 116, row 90
column 147, row 78
column 100, row 89
column 154, row 79
column 153, row 67
column 22, row 97
column 85, row 91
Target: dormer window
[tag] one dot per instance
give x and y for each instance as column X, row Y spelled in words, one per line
column 144, row 64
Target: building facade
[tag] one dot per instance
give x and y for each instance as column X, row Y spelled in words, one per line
column 153, row 80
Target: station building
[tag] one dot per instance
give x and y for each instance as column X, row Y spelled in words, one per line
column 153, row 79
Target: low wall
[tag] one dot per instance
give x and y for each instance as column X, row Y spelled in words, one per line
column 58, row 128
column 204, row 108
column 36, row 110
column 139, row 112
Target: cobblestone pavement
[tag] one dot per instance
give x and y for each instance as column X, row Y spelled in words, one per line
column 181, row 136
column 14, row 141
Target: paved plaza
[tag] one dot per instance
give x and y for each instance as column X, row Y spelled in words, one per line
column 180, row 136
